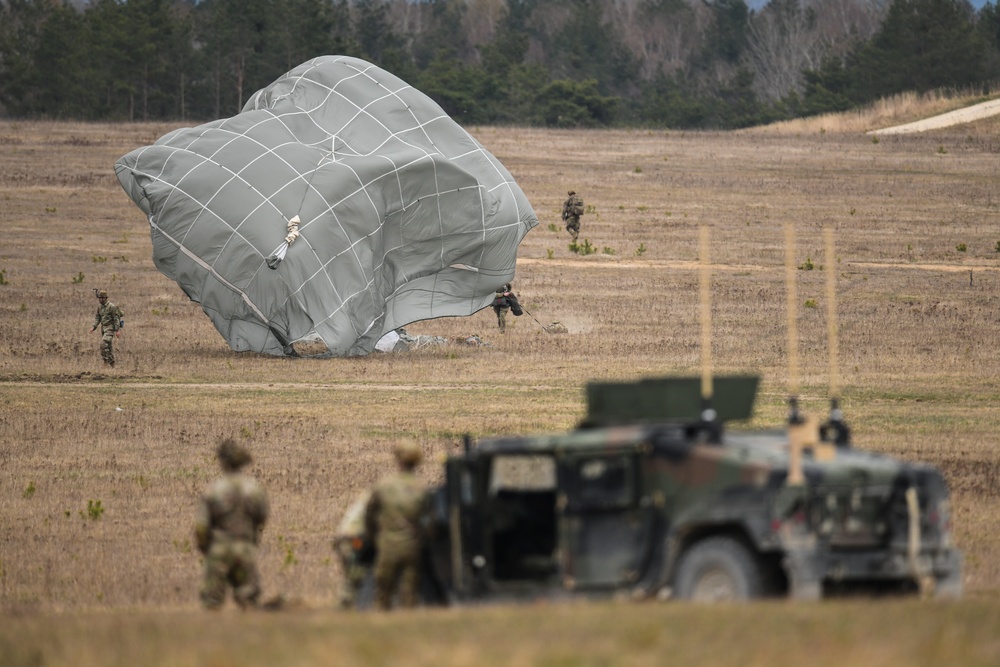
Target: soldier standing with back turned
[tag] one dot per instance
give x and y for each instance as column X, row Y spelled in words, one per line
column 110, row 319
column 571, row 211
column 230, row 520
column 395, row 518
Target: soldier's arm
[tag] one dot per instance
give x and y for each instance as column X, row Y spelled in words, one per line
column 371, row 515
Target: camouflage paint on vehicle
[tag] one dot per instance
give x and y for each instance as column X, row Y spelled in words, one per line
column 670, row 504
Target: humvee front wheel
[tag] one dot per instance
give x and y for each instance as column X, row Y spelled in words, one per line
column 718, row 569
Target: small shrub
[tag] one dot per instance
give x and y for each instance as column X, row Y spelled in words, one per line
column 590, row 208
column 961, row 247
column 642, row 209
column 997, row 248
column 942, row 150
column 608, row 251
column 552, row 227
column 875, row 140
column 807, row 265
column 95, row 510
column 3, row 272
column 550, row 253
column 29, row 490
column 98, row 259
column 123, row 239
column 289, row 550
column 24, row 307
column 641, row 250
column 853, row 211
column 78, row 278
column 50, row 209
column 584, row 248
column 637, row 170
column 810, row 303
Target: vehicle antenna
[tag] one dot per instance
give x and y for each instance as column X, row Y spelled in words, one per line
column 791, row 309
column 708, row 415
column 841, row 433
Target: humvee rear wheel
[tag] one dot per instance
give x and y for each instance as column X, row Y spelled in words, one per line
column 718, row 569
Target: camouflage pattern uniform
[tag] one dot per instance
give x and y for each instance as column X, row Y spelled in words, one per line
column 395, row 516
column 110, row 319
column 501, row 306
column 571, row 211
column 231, row 516
column 351, row 546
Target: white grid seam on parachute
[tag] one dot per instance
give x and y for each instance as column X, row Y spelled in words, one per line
column 421, row 125
column 300, row 176
column 505, row 181
column 207, row 267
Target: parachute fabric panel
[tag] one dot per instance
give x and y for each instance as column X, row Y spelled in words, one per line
column 401, row 214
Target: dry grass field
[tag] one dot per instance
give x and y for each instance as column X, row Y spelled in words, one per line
column 100, row 470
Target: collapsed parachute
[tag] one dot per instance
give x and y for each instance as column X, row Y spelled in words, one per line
column 340, row 203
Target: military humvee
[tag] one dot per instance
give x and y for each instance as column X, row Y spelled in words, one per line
column 651, row 497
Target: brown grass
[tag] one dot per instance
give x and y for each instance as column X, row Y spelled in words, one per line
column 919, row 335
column 886, row 112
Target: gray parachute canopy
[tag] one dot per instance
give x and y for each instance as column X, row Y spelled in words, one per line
column 340, row 203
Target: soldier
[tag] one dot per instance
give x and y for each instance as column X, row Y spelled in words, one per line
column 502, row 303
column 230, row 520
column 571, row 211
column 395, row 517
column 354, row 549
column 110, row 319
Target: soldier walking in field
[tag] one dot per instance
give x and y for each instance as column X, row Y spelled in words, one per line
column 231, row 517
column 571, row 211
column 395, row 518
column 110, row 319
column 505, row 300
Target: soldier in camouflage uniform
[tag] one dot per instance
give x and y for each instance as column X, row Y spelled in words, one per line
column 354, row 550
column 571, row 211
column 501, row 305
column 230, row 519
column 395, row 518
column 110, row 319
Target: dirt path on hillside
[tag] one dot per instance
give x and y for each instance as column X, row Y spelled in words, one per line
column 956, row 117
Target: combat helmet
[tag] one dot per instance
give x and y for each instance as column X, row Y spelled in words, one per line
column 571, row 193
column 408, row 453
column 102, row 294
column 232, row 455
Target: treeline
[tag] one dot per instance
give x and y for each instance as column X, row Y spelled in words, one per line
column 658, row 63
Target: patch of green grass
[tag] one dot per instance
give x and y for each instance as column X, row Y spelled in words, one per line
column 95, row 510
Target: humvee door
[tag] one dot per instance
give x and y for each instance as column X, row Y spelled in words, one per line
column 605, row 533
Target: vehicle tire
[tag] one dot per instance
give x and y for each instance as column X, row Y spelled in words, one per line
column 718, row 569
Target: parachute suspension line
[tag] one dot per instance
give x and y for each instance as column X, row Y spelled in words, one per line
column 292, row 226
column 791, row 308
